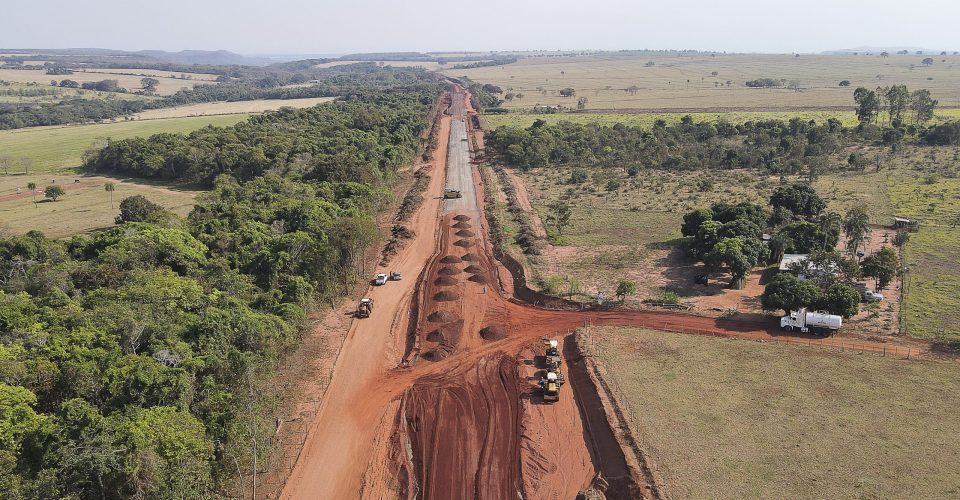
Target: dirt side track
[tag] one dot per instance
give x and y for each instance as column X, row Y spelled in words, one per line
column 424, row 405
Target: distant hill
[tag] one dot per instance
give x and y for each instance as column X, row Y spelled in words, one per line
column 207, row 57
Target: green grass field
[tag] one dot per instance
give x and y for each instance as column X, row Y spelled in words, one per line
column 699, row 82
column 60, row 148
column 932, row 305
column 728, row 418
column 84, row 207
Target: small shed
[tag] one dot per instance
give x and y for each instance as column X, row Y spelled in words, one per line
column 905, row 224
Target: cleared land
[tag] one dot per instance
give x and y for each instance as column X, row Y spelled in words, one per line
column 52, row 149
column 226, row 108
column 689, row 83
column 84, row 207
column 626, row 227
column 166, row 86
column 739, row 419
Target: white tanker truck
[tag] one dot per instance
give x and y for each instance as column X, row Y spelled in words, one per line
column 817, row 322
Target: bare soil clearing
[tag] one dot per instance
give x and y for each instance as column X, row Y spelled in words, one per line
column 443, row 404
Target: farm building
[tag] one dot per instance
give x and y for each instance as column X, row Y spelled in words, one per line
column 791, row 261
column 906, row 224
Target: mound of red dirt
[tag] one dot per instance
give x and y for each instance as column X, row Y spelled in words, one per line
column 462, row 218
column 478, row 278
column 466, row 233
column 462, row 225
column 445, row 281
column 441, row 317
column 464, row 243
column 449, row 271
column 469, row 257
column 493, row 332
column 472, row 269
column 451, row 259
column 445, row 296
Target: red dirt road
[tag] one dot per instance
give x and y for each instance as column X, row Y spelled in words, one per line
column 432, row 396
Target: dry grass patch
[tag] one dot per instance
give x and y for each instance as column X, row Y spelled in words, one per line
column 739, row 419
column 699, row 82
column 226, row 108
column 84, row 207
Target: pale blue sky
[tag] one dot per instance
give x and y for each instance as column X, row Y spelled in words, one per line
column 324, row 26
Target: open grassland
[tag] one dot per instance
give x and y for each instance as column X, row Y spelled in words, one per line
column 646, row 120
column 58, row 148
column 932, row 305
column 154, row 73
column 24, row 93
column 738, row 419
column 689, row 82
column 84, row 207
column 429, row 65
column 166, row 86
column 226, row 108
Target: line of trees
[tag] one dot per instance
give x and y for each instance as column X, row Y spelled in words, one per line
column 776, row 146
column 896, row 103
column 129, row 359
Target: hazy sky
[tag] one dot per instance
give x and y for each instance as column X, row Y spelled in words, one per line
column 325, row 26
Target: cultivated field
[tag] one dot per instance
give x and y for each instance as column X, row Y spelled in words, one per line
column 738, row 419
column 689, row 82
column 84, row 207
column 226, row 108
column 59, row 148
column 166, row 86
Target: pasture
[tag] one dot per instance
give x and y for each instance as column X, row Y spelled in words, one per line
column 713, row 83
column 227, row 108
column 60, row 148
column 167, row 86
column 85, row 205
column 740, row 419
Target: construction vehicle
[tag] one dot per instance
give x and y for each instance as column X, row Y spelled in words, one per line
column 395, row 276
column 551, row 387
column 817, row 322
column 451, row 193
column 364, row 308
column 552, row 357
column 554, row 379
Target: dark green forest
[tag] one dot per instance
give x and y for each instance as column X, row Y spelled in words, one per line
column 130, row 358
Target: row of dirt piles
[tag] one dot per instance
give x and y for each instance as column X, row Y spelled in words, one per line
column 462, row 429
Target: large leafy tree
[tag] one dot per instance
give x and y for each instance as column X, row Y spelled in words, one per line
column 800, row 198
column 789, row 293
column 840, row 299
column 883, row 266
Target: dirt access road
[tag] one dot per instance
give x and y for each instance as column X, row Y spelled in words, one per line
column 434, row 396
